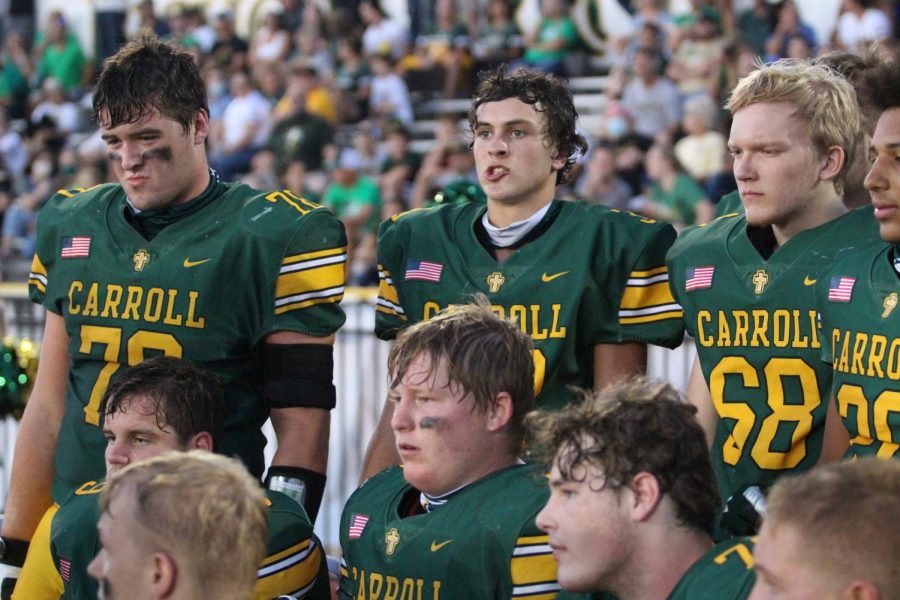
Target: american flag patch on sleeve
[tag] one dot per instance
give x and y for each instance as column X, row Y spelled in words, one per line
column 423, row 270
column 841, row 288
column 357, row 525
column 78, row 246
column 698, row 278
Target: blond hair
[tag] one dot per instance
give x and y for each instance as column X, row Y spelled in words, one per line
column 823, row 100
column 203, row 509
column 842, row 512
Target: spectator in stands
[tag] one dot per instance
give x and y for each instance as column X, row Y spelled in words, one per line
column 829, row 534
column 787, row 26
column 355, row 200
column 228, row 50
column 703, row 147
column 199, row 29
column 178, row 28
column 440, row 53
column 398, row 170
column 148, row 19
column 600, row 184
column 299, row 134
column 20, row 223
column 59, row 55
column 293, row 177
column 314, row 51
column 262, row 174
column 498, row 39
column 388, row 93
column 351, row 80
column 271, row 42
column 53, row 105
column 12, row 148
column 651, row 99
column 456, row 163
column 303, row 82
column 16, row 68
column 382, row 35
column 696, row 63
column 165, row 524
column 754, row 25
column 243, row 130
column 860, row 23
column 548, row 45
column 673, row 195
column 364, row 155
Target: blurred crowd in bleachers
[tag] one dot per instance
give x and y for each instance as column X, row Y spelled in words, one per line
column 366, row 113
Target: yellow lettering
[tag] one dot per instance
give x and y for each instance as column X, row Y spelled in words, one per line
column 781, row 333
column 724, row 340
column 799, row 342
column 536, row 332
column 151, row 312
column 859, row 349
column 760, row 329
column 555, row 330
column 376, row 582
column 519, row 315
column 192, row 320
column 705, row 340
column 408, row 592
column 893, row 370
column 436, row 590
column 741, row 327
column 361, row 586
column 111, row 304
column 876, row 356
column 133, row 303
column 430, row 309
column 91, row 303
column 835, row 341
column 392, row 589
column 170, row 319
column 76, row 286
column 843, row 363
column 814, row 328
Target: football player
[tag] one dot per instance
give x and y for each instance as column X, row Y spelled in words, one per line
column 161, row 405
column 746, row 282
column 829, row 534
column 858, row 297
column 633, row 499
column 585, row 282
column 457, row 519
column 174, row 261
column 180, row 526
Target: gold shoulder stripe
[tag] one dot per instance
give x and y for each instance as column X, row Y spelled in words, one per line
column 289, row 260
column 286, row 552
column 292, row 575
column 664, row 316
column 644, row 296
column 651, row 272
column 403, row 214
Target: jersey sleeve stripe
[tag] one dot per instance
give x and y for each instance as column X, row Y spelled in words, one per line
column 533, row 568
column 383, row 306
column 314, row 256
column 308, row 280
column 293, row 574
column 538, row 568
column 298, row 301
column 651, row 295
column 38, row 275
column 388, row 300
column 652, row 319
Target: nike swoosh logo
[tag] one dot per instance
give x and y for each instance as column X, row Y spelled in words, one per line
column 545, row 278
column 435, row 546
column 193, row 263
column 808, row 281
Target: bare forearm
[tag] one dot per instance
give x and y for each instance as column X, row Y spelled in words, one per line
column 302, row 435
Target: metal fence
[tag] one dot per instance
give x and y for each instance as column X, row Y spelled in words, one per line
column 360, row 378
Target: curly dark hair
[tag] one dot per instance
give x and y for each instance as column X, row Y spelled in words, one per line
column 185, row 397
column 145, row 75
column 548, row 95
column 630, row 427
column 881, row 86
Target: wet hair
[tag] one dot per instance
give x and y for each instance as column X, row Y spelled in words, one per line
column 631, row 427
column 149, row 75
column 545, row 93
column 184, row 397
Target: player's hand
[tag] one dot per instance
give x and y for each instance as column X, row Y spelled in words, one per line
column 744, row 511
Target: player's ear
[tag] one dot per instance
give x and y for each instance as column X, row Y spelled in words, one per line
column 201, row 127
column 201, row 441
column 646, row 496
column 832, row 163
column 500, row 411
column 164, row 575
column 861, row 590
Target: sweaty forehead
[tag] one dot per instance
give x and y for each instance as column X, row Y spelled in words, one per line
column 509, row 110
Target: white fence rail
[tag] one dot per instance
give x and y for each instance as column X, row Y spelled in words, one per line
column 360, row 378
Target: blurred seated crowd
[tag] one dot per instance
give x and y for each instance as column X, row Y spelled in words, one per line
column 327, row 99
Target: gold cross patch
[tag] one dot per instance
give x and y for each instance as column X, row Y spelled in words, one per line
column 140, row 258
column 495, row 280
column 760, row 279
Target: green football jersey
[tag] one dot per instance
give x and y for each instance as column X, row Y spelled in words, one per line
column 594, row 276
column 209, row 287
column 857, row 302
column 725, row 572
column 483, row 543
column 730, row 203
column 754, row 325
column 294, row 565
